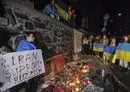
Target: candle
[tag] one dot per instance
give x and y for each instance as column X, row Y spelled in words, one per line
column 77, row 89
column 72, row 84
column 77, row 81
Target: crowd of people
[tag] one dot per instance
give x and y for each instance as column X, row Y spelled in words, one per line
column 88, row 42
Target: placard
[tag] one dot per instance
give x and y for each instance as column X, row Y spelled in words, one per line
column 18, row 67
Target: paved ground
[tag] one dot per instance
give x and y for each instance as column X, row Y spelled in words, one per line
column 99, row 65
column 98, row 62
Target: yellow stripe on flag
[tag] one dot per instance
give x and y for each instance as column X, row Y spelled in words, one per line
column 98, row 49
column 109, row 57
column 61, row 12
column 114, row 58
column 123, row 55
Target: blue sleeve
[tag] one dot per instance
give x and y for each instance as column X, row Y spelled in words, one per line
column 47, row 9
column 22, row 46
column 50, row 10
column 33, row 47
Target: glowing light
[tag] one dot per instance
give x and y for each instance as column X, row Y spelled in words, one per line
column 77, row 81
column 77, row 89
column 119, row 14
column 72, row 84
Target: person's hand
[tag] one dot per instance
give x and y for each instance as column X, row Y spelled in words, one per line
column 1, row 84
column 58, row 18
column 52, row 16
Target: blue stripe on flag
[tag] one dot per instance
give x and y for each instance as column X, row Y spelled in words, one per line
column 98, row 45
column 110, row 49
column 124, row 47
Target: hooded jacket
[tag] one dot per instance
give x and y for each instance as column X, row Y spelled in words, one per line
column 25, row 45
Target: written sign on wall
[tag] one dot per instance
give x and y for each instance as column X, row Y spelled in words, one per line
column 18, row 67
column 77, row 41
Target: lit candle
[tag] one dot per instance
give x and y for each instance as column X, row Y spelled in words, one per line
column 72, row 84
column 77, row 81
column 77, row 89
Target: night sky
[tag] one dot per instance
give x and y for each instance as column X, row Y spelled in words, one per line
column 95, row 9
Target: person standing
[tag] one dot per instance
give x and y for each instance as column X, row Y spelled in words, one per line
column 3, row 50
column 103, row 75
column 124, row 63
column 85, row 45
column 27, row 44
column 71, row 16
column 91, row 41
column 113, row 42
column 97, row 40
column 51, row 10
column 105, row 40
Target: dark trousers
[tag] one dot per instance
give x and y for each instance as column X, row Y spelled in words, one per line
column 32, row 85
column 17, row 87
column 86, row 49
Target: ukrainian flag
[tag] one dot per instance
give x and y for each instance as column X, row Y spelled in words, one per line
column 123, row 52
column 109, row 53
column 98, row 47
column 61, row 12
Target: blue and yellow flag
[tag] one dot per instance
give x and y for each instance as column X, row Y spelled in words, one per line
column 109, row 53
column 61, row 12
column 98, row 47
column 123, row 52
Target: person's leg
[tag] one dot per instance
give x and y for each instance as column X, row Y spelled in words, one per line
column 17, row 88
column 69, row 22
column 28, row 86
column 91, row 52
column 34, row 84
column 84, row 49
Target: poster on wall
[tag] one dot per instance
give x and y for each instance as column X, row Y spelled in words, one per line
column 58, row 62
column 77, row 41
column 18, row 67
